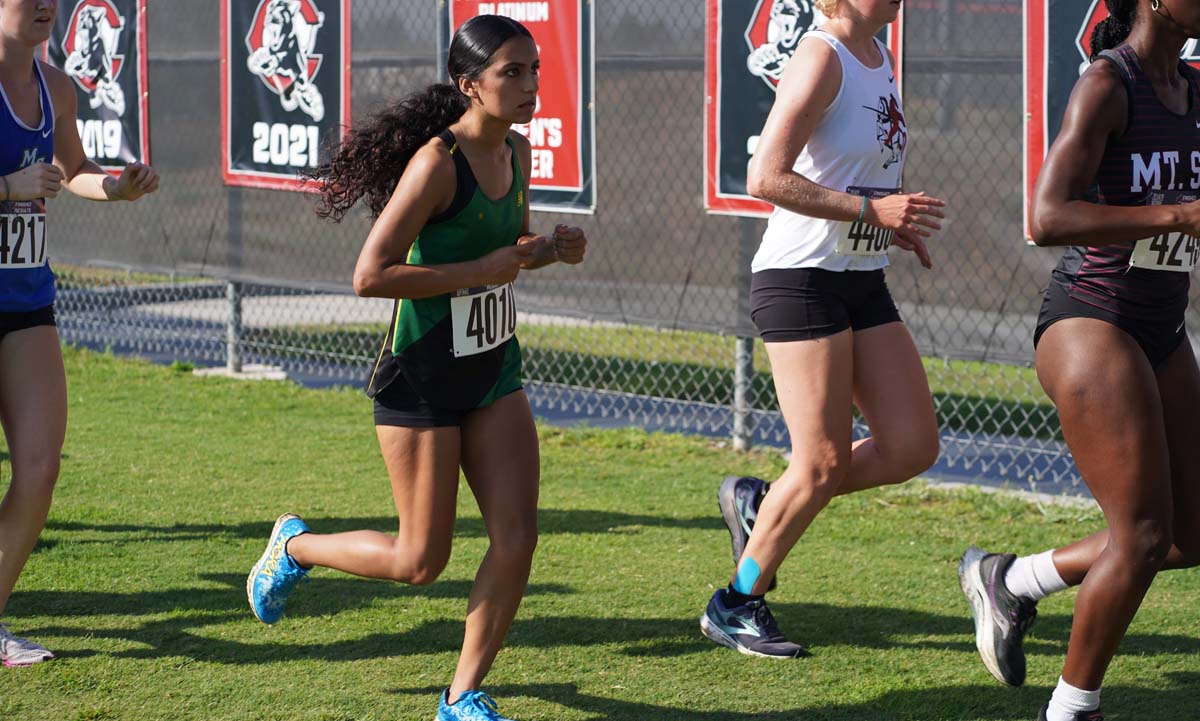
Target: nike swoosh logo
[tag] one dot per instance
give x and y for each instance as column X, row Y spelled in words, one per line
column 46, row 133
column 1180, row 327
column 892, row 79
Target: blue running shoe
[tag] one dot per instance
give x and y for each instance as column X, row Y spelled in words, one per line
column 748, row 629
column 470, row 706
column 739, row 499
column 276, row 573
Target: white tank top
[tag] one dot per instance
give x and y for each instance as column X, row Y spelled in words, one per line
column 858, row 147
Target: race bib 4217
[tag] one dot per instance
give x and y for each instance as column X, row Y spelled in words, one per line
column 482, row 318
column 22, row 234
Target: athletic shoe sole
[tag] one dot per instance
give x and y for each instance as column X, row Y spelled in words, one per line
column 972, row 586
column 262, row 561
column 733, row 520
column 716, row 635
column 26, row 664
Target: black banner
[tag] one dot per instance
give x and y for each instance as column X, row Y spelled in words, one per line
column 101, row 46
column 748, row 44
column 285, row 85
column 1057, row 51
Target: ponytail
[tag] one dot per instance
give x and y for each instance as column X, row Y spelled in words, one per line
column 370, row 160
column 1113, row 30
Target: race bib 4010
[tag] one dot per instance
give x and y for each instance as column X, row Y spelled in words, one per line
column 22, row 234
column 861, row 238
column 482, row 318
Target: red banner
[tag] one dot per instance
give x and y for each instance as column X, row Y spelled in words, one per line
column 747, row 46
column 561, row 133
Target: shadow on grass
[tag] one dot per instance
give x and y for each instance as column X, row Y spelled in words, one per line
column 551, row 521
column 1177, row 702
column 189, row 610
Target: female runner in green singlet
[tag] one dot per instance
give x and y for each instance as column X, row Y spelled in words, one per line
column 446, row 178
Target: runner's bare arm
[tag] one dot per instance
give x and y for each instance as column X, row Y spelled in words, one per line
column 1095, row 114
column 425, row 189
column 809, row 85
column 81, row 175
column 566, row 245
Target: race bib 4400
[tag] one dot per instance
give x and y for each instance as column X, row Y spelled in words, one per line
column 482, row 318
column 861, row 238
column 22, row 234
column 1178, row 252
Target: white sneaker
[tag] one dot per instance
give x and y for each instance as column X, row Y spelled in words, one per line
column 16, row 651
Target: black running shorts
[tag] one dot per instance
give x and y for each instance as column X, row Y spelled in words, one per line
column 399, row 405
column 1158, row 339
column 11, row 322
column 790, row 304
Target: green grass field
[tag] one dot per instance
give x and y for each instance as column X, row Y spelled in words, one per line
column 170, row 484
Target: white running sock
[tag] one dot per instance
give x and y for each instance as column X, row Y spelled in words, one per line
column 1068, row 701
column 1034, row 577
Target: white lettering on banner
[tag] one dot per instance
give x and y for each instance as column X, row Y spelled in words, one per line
column 543, row 165
column 544, row 132
column 287, row 146
column 101, row 138
column 519, row 11
column 1148, row 173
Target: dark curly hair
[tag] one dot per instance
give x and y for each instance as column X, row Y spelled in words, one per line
column 1113, row 29
column 369, row 161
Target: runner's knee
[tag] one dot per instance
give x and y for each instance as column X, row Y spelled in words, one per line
column 1146, row 544
column 817, row 474
column 418, row 566
column 516, row 541
column 37, row 472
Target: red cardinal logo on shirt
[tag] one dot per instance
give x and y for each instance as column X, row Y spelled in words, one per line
column 891, row 129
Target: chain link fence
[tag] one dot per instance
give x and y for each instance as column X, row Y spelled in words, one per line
column 654, row 328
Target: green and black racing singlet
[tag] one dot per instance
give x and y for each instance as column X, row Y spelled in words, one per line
column 459, row 350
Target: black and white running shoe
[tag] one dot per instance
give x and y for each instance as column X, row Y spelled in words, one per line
column 1001, row 619
column 1081, row 716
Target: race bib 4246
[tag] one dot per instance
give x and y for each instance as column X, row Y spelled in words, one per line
column 1170, row 251
column 1176, row 252
column 482, row 318
column 22, row 234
